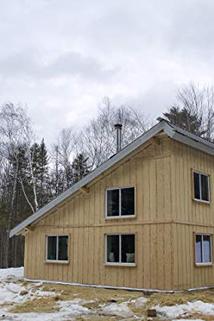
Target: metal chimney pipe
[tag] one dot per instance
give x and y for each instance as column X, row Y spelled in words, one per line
column 118, row 128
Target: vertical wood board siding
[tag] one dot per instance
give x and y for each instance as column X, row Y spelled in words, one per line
column 166, row 218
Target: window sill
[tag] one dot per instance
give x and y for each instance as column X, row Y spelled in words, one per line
column 56, row 262
column 201, row 201
column 121, row 264
column 203, row 264
column 119, row 217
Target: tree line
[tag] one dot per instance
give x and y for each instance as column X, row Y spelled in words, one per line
column 31, row 174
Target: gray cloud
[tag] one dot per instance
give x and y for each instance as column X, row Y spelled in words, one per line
column 62, row 57
column 68, row 64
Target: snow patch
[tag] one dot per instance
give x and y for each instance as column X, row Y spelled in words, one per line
column 187, row 320
column 41, row 293
column 120, row 310
column 73, row 308
column 139, row 302
column 14, row 288
column 10, row 297
column 17, row 273
column 176, row 311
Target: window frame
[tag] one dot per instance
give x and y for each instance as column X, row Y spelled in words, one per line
column 57, row 261
column 119, row 216
column 198, row 264
column 199, row 200
column 124, row 264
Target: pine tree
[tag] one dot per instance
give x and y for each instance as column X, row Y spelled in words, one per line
column 41, row 172
column 185, row 119
column 80, row 167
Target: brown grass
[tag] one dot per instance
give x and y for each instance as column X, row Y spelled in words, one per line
column 181, row 297
column 46, row 304
column 97, row 318
column 202, row 317
column 175, row 298
column 69, row 292
column 100, row 296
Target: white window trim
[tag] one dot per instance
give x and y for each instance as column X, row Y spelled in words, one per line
column 119, row 216
column 200, row 200
column 57, row 249
column 120, row 251
column 210, row 263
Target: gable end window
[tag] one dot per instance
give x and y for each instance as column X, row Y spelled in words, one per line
column 120, row 249
column 201, row 187
column 120, row 202
column 57, row 248
column 203, row 249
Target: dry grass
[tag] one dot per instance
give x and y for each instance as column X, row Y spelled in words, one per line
column 202, row 317
column 181, row 297
column 99, row 296
column 175, row 298
column 97, row 318
column 69, row 292
column 45, row 304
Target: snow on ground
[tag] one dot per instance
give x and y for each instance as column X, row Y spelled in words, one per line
column 15, row 293
column 140, row 302
column 18, row 273
column 178, row 311
column 121, row 310
column 188, row 320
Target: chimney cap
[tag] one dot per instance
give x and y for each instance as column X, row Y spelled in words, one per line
column 118, row 126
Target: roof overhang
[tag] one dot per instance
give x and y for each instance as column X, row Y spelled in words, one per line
column 170, row 130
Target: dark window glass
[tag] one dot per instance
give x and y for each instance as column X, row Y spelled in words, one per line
column 63, row 248
column 196, row 186
column 127, row 201
column 198, row 249
column 52, row 247
column 113, row 202
column 113, row 248
column 128, row 248
column 206, row 249
column 204, row 188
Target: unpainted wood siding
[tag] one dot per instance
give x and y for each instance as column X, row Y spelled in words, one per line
column 165, row 222
column 190, row 216
column 82, row 217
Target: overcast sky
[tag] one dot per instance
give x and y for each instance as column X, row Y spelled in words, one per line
column 61, row 57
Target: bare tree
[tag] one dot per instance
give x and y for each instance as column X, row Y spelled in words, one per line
column 62, row 155
column 14, row 132
column 98, row 139
column 194, row 110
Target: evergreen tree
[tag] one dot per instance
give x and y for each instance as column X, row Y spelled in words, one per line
column 80, row 167
column 39, row 157
column 185, row 119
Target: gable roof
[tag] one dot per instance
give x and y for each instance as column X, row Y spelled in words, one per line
column 170, row 130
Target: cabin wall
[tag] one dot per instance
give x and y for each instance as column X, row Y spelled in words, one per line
column 86, row 257
column 83, row 218
column 166, row 219
column 186, row 274
column 190, row 216
column 184, row 209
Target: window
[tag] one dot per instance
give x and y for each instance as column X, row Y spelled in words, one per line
column 57, row 248
column 203, row 249
column 120, row 249
column 120, row 202
column 201, row 187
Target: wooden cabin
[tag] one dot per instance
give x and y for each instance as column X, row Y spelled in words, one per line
column 144, row 219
